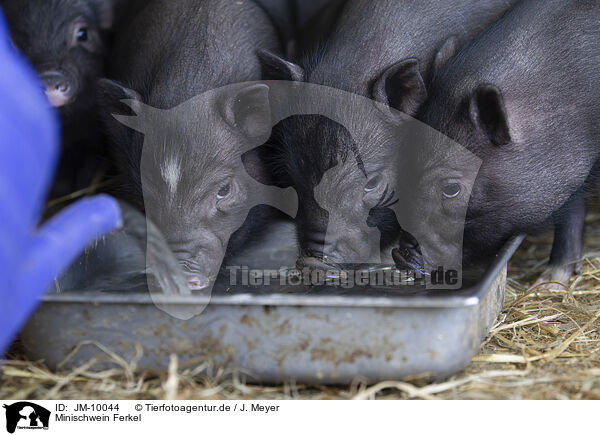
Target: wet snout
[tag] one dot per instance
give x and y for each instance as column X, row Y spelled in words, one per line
column 199, row 275
column 317, row 260
column 315, row 252
column 408, row 256
column 200, row 263
column 197, row 282
column 339, row 251
column 59, row 89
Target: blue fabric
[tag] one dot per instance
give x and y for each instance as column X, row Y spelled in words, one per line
column 30, row 257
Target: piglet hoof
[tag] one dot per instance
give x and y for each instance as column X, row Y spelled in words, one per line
column 555, row 278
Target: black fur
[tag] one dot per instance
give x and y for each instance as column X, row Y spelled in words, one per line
column 43, row 31
column 171, row 53
column 534, row 74
column 369, row 52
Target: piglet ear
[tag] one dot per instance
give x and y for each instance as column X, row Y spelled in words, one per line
column 105, row 10
column 112, row 97
column 447, row 51
column 277, row 68
column 248, row 110
column 488, row 113
column 401, row 87
column 261, row 165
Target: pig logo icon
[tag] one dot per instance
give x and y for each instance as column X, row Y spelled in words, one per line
column 26, row 415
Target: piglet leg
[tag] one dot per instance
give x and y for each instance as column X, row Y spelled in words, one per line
column 565, row 258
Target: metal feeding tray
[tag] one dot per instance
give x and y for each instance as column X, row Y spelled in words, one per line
column 308, row 334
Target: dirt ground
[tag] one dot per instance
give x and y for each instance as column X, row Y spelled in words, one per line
column 545, row 345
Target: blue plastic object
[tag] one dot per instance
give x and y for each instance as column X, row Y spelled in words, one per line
column 31, row 257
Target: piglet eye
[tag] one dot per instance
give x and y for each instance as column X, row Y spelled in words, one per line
column 451, row 190
column 82, row 34
column 372, row 184
column 223, row 192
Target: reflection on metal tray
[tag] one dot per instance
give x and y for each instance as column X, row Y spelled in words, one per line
column 314, row 334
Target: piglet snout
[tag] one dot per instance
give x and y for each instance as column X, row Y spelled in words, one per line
column 58, row 88
column 408, row 255
column 197, row 282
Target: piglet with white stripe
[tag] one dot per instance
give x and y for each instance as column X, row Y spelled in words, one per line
column 183, row 69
